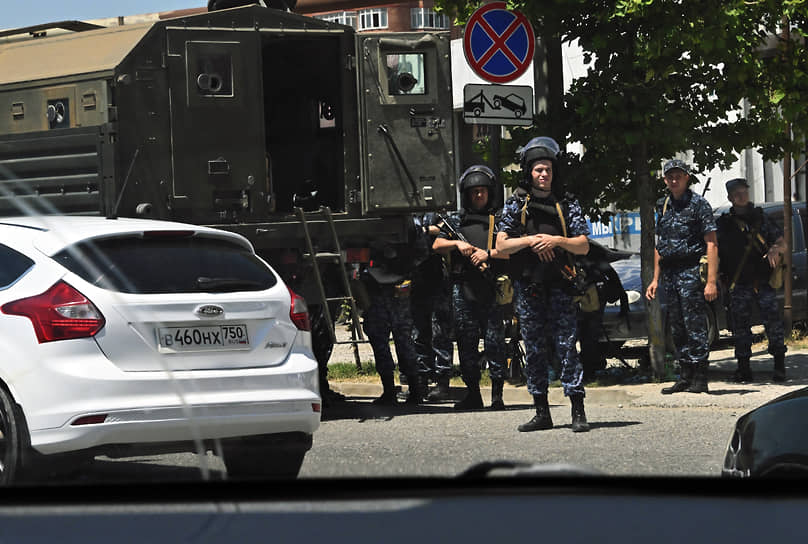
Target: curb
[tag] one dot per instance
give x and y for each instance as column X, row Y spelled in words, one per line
column 723, row 395
column 512, row 395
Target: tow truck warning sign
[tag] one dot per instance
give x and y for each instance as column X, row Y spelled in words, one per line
column 497, row 104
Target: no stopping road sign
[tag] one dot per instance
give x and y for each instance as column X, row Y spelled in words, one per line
column 498, row 43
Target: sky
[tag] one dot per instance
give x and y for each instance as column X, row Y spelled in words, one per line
column 20, row 13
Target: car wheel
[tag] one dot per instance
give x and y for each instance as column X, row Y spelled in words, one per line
column 11, row 439
column 497, row 103
column 518, row 113
column 265, row 457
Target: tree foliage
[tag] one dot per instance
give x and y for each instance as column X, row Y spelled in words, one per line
column 672, row 76
column 665, row 77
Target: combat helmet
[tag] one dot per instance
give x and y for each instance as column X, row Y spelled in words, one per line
column 541, row 147
column 478, row 175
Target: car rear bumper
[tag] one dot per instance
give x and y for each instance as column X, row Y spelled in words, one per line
column 154, row 407
column 170, row 425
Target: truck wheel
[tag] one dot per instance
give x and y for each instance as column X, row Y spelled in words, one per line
column 477, row 112
column 265, row 457
column 11, row 439
column 322, row 343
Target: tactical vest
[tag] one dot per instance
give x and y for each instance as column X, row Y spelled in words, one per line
column 477, row 287
column 734, row 230
column 475, row 228
column 539, row 216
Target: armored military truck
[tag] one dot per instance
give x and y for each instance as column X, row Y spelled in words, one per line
column 236, row 118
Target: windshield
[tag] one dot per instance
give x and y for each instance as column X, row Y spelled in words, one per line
column 206, row 274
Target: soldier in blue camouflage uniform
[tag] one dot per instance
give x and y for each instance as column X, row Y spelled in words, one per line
column 474, row 269
column 533, row 231
column 749, row 246
column 432, row 315
column 685, row 231
column 388, row 285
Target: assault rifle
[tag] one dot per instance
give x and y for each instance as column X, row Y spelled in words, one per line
column 446, row 226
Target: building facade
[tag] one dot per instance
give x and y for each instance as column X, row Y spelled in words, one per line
column 375, row 16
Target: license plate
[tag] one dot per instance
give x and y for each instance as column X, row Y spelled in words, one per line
column 203, row 338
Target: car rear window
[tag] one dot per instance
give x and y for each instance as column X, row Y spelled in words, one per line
column 13, row 265
column 173, row 264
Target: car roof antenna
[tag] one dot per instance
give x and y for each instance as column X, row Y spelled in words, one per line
column 114, row 214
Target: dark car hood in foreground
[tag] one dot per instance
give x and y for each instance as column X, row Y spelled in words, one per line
column 771, row 440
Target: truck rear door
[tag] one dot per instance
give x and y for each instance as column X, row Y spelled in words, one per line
column 406, row 131
column 217, row 123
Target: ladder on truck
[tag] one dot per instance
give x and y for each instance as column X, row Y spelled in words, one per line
column 317, row 257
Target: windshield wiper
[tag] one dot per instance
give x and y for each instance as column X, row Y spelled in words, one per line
column 227, row 284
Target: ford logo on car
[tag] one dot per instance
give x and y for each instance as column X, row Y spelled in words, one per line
column 210, row 310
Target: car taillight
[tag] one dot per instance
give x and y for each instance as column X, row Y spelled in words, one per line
column 299, row 312
column 60, row 313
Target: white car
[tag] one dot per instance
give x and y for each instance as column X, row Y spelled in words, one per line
column 122, row 336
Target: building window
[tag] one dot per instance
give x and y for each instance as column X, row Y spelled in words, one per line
column 428, row 18
column 347, row 18
column 372, row 19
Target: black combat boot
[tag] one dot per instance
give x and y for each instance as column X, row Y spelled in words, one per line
column 388, row 397
column 542, row 420
column 744, row 373
column 416, row 389
column 579, row 424
column 779, row 368
column 496, row 394
column 472, row 401
column 685, row 376
column 699, row 382
column 440, row 392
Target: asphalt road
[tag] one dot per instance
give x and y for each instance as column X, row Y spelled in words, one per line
column 635, row 431
column 364, row 441
column 436, row 441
